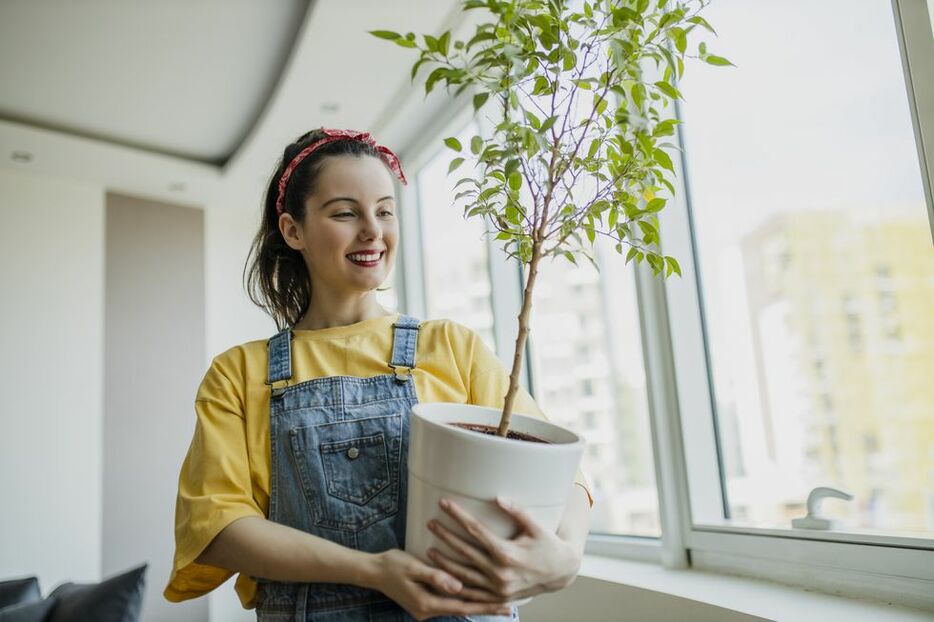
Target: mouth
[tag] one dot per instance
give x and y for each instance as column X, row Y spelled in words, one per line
column 366, row 264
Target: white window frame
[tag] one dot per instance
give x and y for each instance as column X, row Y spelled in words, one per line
column 855, row 564
column 861, row 564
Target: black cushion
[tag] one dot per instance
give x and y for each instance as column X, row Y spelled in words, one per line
column 27, row 612
column 116, row 599
column 18, row 591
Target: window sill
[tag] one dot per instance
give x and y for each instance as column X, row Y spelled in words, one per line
column 756, row 597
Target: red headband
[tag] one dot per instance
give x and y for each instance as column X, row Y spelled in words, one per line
column 384, row 153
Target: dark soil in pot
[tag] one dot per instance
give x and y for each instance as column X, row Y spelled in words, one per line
column 490, row 430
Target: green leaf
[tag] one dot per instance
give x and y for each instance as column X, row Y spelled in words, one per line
column 655, row 205
column 663, row 159
column 702, row 22
column 638, row 95
column 453, row 143
column 479, row 99
column 570, row 257
column 431, row 43
column 594, row 148
column 668, row 90
column 433, row 77
column 681, row 40
column 632, row 254
column 718, row 60
column 673, row 266
column 476, row 144
column 406, row 43
column 515, row 181
column 456, row 162
column 386, row 34
column 541, row 86
column 444, row 43
column 548, row 123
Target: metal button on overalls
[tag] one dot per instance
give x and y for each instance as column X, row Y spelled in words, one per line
column 353, row 452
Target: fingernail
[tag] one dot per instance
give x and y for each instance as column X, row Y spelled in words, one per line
column 454, row 586
column 504, row 502
column 432, row 524
column 445, row 503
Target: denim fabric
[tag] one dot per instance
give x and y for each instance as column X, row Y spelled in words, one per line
column 339, row 450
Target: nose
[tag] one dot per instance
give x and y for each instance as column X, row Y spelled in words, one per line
column 371, row 228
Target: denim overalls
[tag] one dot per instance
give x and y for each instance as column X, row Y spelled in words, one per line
column 339, row 450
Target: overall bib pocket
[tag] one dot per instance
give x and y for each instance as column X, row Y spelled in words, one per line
column 349, row 470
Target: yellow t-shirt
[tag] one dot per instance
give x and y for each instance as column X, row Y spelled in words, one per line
column 226, row 474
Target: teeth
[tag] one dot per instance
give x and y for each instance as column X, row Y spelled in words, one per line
column 365, row 257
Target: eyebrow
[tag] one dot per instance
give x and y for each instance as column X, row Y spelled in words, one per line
column 335, row 199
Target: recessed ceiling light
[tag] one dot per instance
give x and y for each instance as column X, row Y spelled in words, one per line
column 23, row 157
column 177, row 186
column 330, row 107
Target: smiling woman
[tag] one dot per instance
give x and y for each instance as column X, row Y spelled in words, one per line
column 296, row 477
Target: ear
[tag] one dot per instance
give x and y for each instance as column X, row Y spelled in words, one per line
column 291, row 232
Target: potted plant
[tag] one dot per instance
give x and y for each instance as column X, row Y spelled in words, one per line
column 583, row 100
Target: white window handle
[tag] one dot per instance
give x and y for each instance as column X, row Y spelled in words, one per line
column 814, row 520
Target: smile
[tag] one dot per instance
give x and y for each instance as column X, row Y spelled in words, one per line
column 366, row 260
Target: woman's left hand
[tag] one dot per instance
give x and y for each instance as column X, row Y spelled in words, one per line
column 498, row 570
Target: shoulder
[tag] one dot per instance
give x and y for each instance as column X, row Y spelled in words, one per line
column 443, row 330
column 230, row 370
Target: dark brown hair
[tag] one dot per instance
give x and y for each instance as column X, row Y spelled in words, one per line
column 275, row 276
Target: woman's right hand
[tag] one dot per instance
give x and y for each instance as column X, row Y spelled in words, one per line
column 409, row 581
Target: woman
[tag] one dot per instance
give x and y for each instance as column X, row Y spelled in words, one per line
column 296, row 475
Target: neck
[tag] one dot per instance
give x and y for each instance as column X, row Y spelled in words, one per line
column 330, row 314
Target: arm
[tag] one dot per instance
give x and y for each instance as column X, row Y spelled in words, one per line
column 574, row 527
column 262, row 548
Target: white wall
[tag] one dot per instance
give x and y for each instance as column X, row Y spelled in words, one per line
column 51, row 378
column 231, row 319
column 154, row 352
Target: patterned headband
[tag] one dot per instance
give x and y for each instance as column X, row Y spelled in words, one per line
column 332, row 135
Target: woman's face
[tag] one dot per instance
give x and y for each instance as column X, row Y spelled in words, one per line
column 352, row 210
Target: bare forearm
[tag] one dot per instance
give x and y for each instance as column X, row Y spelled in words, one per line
column 261, row 548
column 574, row 527
column 575, row 524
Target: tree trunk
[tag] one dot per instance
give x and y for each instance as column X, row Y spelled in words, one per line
column 524, row 315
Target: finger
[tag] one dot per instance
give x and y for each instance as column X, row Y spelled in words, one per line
column 523, row 519
column 471, row 525
column 481, row 596
column 436, row 578
column 473, row 555
column 466, row 574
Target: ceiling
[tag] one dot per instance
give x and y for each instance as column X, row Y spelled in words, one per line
column 183, row 100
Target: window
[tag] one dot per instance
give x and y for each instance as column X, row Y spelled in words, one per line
column 455, row 260
column 815, row 265
column 586, row 350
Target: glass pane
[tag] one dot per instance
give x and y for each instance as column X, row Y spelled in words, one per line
column 589, row 376
column 816, row 263
column 457, row 278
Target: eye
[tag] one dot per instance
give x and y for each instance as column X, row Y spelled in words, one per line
column 343, row 214
column 387, row 212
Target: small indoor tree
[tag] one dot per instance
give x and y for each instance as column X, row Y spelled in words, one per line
column 583, row 96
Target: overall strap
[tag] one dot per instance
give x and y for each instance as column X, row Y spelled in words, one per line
column 404, row 345
column 280, row 358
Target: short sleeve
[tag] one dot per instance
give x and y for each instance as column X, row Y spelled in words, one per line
column 214, row 485
column 488, row 383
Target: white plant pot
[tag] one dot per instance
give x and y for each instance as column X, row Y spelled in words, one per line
column 472, row 469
